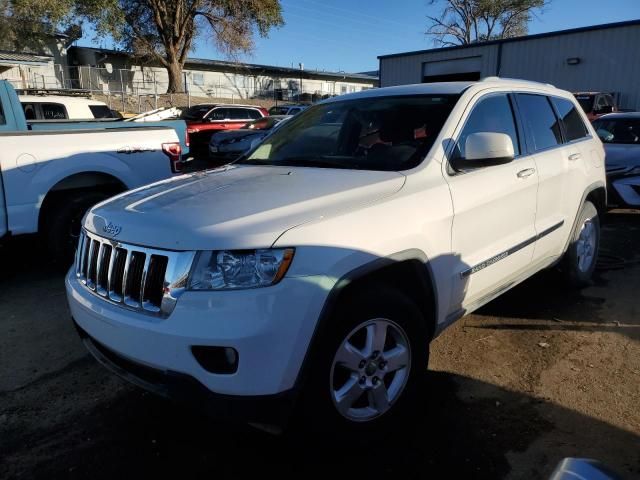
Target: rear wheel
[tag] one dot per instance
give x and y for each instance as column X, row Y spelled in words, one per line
column 64, row 221
column 368, row 366
column 579, row 262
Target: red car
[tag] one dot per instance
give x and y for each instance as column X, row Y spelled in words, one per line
column 206, row 119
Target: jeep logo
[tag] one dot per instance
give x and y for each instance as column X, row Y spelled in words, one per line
column 112, row 229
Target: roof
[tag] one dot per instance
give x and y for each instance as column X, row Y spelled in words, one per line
column 59, row 99
column 13, row 58
column 203, row 63
column 441, row 88
column 606, row 26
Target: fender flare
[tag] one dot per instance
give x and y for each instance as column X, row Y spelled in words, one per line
column 425, row 272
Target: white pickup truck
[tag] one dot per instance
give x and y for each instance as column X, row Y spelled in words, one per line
column 51, row 174
column 316, row 269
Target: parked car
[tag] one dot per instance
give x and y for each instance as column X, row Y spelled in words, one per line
column 51, row 173
column 313, row 273
column 620, row 133
column 227, row 146
column 58, row 107
column 287, row 109
column 205, row 119
column 596, row 104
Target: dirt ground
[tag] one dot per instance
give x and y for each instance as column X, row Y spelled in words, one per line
column 540, row 374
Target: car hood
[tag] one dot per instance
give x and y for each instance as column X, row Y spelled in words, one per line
column 620, row 156
column 236, row 207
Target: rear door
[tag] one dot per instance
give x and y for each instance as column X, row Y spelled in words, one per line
column 493, row 229
column 545, row 143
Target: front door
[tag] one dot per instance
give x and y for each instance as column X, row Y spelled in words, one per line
column 493, row 233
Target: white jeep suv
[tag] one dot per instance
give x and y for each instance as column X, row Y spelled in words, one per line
column 325, row 260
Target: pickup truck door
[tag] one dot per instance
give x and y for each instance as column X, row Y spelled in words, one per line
column 9, row 122
column 3, row 209
column 493, row 233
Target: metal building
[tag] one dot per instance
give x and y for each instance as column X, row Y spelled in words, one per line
column 603, row 58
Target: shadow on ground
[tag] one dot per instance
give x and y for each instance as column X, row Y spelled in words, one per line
column 139, row 435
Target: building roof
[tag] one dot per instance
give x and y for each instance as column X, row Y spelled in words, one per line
column 13, row 58
column 606, row 26
column 206, row 64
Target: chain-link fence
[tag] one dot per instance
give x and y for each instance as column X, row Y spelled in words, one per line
column 140, row 89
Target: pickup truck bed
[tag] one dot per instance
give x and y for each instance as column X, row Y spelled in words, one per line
column 52, row 172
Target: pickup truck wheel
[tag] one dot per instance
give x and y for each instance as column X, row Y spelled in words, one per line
column 368, row 369
column 63, row 229
column 580, row 260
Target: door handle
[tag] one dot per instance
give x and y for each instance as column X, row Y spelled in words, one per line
column 526, row 173
column 575, row 156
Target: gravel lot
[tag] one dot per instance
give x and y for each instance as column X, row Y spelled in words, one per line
column 539, row 374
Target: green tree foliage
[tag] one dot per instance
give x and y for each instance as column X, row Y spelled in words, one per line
column 162, row 31
column 462, row 22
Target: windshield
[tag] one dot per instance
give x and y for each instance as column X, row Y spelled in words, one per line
column 196, row 112
column 618, row 130
column 385, row 133
column 586, row 102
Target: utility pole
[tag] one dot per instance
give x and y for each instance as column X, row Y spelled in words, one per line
column 301, row 70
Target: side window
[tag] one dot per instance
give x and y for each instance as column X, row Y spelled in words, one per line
column 53, row 111
column 490, row 114
column 220, row 114
column 251, row 113
column 542, row 123
column 574, row 127
column 609, row 100
column 29, row 111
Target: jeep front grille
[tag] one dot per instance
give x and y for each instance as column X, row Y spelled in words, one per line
column 137, row 278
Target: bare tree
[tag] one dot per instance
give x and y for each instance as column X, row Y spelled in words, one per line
column 462, row 22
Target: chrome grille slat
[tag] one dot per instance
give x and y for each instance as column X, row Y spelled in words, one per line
column 143, row 280
column 104, row 260
column 125, row 275
column 91, row 264
column 112, row 261
column 137, row 278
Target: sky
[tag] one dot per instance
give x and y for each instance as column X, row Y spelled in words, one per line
column 348, row 35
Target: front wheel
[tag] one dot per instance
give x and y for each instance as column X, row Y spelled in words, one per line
column 368, row 367
column 581, row 257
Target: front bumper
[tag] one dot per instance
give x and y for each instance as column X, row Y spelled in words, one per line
column 624, row 191
column 264, row 409
column 270, row 328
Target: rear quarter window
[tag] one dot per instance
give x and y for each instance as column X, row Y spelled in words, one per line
column 100, row 111
column 574, row 127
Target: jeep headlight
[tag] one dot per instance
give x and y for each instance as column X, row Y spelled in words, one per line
column 237, row 269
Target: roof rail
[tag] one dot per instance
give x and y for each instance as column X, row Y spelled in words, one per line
column 515, row 80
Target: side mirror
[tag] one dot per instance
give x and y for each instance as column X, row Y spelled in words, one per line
column 485, row 149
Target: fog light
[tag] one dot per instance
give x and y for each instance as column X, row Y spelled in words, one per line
column 219, row 360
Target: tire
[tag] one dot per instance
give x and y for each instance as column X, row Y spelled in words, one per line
column 62, row 229
column 580, row 260
column 333, row 372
